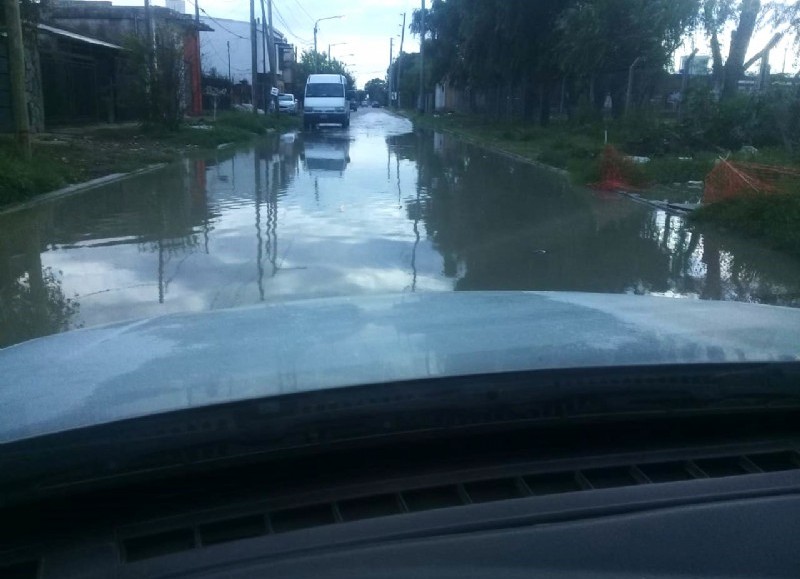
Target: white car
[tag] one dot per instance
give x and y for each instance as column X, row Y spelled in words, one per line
column 287, row 104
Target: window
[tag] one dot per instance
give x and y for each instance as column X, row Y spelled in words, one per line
column 325, row 89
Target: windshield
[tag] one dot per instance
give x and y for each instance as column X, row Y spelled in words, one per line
column 325, row 90
column 579, row 146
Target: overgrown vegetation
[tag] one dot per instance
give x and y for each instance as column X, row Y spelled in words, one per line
column 20, row 179
column 773, row 218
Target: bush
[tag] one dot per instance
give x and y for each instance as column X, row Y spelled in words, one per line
column 774, row 218
column 674, row 170
column 762, row 120
column 19, row 179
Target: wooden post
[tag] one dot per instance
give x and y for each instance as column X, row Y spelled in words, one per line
column 16, row 68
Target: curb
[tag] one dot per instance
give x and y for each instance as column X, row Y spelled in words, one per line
column 489, row 147
column 79, row 188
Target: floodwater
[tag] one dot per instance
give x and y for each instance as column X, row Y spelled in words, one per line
column 373, row 209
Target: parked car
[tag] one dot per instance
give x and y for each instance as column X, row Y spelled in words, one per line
column 376, row 105
column 287, row 104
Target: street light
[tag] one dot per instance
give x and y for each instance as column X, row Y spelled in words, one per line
column 316, row 29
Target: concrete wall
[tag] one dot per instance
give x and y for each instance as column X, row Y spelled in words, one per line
column 33, row 85
column 214, row 48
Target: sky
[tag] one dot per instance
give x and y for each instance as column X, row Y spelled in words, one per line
column 366, row 28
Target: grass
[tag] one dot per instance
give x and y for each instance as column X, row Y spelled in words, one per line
column 70, row 156
column 774, row 218
column 20, row 179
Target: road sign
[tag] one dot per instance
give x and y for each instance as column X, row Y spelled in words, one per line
column 273, row 91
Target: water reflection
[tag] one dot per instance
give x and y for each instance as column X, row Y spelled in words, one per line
column 326, row 154
column 375, row 209
column 32, row 300
column 500, row 225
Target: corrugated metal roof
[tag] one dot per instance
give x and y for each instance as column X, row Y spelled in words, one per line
column 78, row 37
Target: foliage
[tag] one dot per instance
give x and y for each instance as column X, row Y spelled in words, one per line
column 19, row 179
column 532, row 44
column 743, row 18
column 769, row 119
column 377, row 90
column 770, row 217
column 589, row 41
column 157, row 92
column 318, row 62
column 405, row 71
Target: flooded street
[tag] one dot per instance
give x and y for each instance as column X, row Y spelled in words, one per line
column 373, row 209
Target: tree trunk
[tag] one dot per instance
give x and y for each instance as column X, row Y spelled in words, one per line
column 740, row 42
column 544, row 103
column 718, row 67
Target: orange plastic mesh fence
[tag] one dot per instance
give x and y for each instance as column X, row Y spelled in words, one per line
column 729, row 180
column 615, row 171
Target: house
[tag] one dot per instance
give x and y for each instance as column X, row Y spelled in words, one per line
column 117, row 24
column 78, row 77
column 226, row 52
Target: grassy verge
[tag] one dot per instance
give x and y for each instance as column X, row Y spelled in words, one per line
column 773, row 218
column 674, row 173
column 71, row 156
column 576, row 149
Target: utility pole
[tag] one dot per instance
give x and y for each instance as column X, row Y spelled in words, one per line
column 253, row 55
column 421, row 100
column 230, row 78
column 316, row 29
column 265, row 52
column 685, row 82
column 151, row 58
column 391, row 58
column 16, row 62
column 151, row 35
column 399, row 58
column 629, row 93
column 197, row 73
column 273, row 65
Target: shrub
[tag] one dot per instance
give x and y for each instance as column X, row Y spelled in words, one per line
column 774, row 218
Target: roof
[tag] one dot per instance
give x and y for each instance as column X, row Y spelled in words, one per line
column 79, row 10
column 78, row 37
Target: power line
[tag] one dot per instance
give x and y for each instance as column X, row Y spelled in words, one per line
column 311, row 18
column 218, row 23
column 288, row 28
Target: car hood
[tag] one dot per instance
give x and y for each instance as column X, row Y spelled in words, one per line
column 128, row 370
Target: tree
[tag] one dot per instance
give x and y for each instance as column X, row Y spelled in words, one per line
column 319, row 62
column 34, row 305
column 744, row 15
column 157, row 94
column 377, row 90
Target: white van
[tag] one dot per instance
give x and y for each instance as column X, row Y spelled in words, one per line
column 326, row 100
